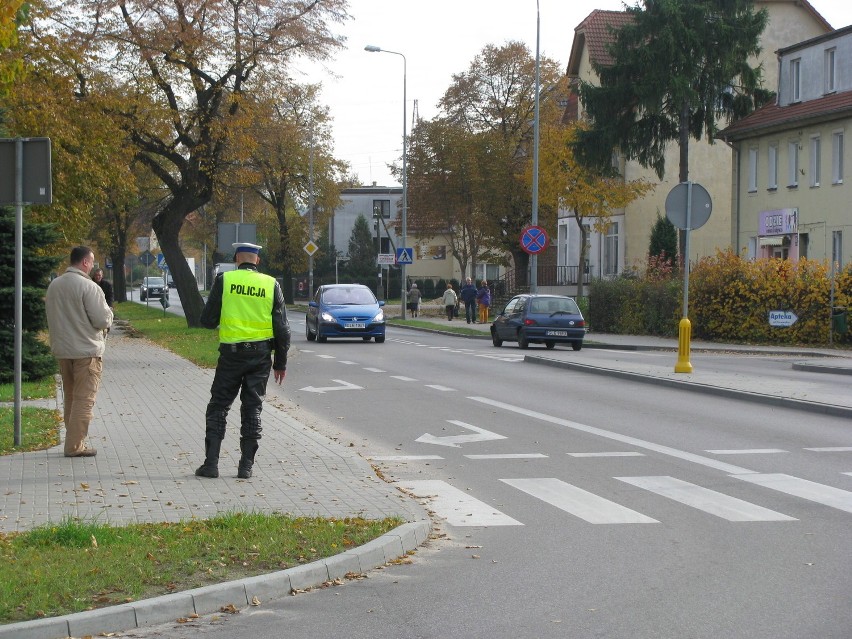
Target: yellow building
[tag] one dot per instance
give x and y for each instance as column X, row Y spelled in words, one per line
column 625, row 244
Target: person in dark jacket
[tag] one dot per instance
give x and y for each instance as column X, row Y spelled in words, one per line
column 106, row 286
column 468, row 296
column 254, row 336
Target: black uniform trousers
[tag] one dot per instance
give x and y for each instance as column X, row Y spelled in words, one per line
column 245, row 372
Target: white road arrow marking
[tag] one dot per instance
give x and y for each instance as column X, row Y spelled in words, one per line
column 481, row 435
column 325, row 389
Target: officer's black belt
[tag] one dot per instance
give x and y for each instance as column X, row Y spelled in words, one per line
column 260, row 347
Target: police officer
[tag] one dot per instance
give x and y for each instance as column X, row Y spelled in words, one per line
column 248, row 308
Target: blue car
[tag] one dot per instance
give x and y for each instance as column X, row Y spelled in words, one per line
column 345, row 310
column 540, row 319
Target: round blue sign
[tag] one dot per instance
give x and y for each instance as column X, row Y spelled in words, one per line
column 534, row 240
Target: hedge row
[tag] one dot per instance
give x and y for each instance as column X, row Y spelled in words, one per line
column 729, row 300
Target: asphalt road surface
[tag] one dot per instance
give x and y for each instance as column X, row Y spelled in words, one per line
column 572, row 505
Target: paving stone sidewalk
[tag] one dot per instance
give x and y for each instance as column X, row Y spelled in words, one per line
column 149, row 431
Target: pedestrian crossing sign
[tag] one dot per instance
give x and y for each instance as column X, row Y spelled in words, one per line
column 405, row 255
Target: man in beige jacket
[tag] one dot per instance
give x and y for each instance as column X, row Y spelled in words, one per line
column 77, row 317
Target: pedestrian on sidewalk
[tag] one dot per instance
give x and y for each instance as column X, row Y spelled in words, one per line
column 77, row 317
column 254, row 335
column 450, row 301
column 468, row 296
column 106, row 286
column 414, row 300
column 483, row 301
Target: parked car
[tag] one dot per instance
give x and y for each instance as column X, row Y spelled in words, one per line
column 153, row 287
column 540, row 319
column 345, row 310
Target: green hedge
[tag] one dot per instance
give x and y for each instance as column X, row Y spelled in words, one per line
column 729, row 301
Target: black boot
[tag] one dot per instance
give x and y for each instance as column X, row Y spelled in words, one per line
column 248, row 448
column 210, row 467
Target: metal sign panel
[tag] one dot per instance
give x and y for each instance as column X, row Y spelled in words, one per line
column 782, row 319
column 229, row 233
column 702, row 206
column 386, row 258
column 534, row 240
column 405, row 255
column 36, row 171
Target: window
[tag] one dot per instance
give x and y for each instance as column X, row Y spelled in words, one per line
column 837, row 248
column 792, row 165
column 772, row 169
column 752, row 170
column 815, row 160
column 830, row 70
column 837, row 158
column 796, row 80
column 381, row 207
column 610, row 257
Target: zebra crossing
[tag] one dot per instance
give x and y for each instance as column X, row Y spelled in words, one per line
column 460, row 508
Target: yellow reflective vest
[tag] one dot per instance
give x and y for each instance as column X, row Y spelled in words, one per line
column 247, row 299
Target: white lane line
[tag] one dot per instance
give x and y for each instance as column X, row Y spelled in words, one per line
column 375, row 370
column 346, row 361
column 456, row 506
column 326, row 356
column 404, row 457
column 624, row 439
column 835, row 449
column 579, row 502
column 438, row 387
column 709, row 501
column 747, row 451
column 509, row 456
column 613, row 454
column 850, row 474
column 403, row 378
column 806, row 489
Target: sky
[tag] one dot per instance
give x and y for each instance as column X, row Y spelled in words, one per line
column 438, row 38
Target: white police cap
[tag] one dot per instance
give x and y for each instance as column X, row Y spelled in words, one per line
column 246, row 247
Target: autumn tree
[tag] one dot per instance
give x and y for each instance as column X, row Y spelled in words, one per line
column 589, row 194
column 677, row 69
column 449, row 187
column 290, row 164
column 495, row 97
column 193, row 61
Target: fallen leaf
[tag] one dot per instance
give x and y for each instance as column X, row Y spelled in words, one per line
column 255, row 601
column 231, row 609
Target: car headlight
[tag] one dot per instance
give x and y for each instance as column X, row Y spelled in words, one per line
column 380, row 317
column 327, row 317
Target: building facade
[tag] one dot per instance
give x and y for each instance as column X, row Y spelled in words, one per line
column 624, row 243
column 791, row 197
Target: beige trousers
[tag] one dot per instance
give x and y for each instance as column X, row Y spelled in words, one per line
column 81, row 379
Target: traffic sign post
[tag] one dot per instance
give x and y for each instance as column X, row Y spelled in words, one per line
column 688, row 206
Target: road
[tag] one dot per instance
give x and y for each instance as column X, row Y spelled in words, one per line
column 574, row 505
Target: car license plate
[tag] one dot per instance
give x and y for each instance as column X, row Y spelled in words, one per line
column 355, row 325
column 556, row 333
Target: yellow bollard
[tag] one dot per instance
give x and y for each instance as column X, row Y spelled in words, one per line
column 684, row 336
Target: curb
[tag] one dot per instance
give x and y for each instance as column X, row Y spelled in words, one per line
column 811, row 407
column 822, row 368
column 241, row 593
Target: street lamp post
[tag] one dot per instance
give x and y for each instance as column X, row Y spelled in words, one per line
column 374, row 49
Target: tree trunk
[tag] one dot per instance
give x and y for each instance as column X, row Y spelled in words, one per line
column 167, row 225
column 581, row 267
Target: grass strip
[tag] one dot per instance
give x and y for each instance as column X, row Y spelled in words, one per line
column 198, row 345
column 39, row 389
column 432, row 326
column 74, row 566
column 39, row 429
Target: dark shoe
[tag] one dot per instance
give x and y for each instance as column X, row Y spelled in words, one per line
column 86, row 452
column 207, row 470
column 244, row 471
